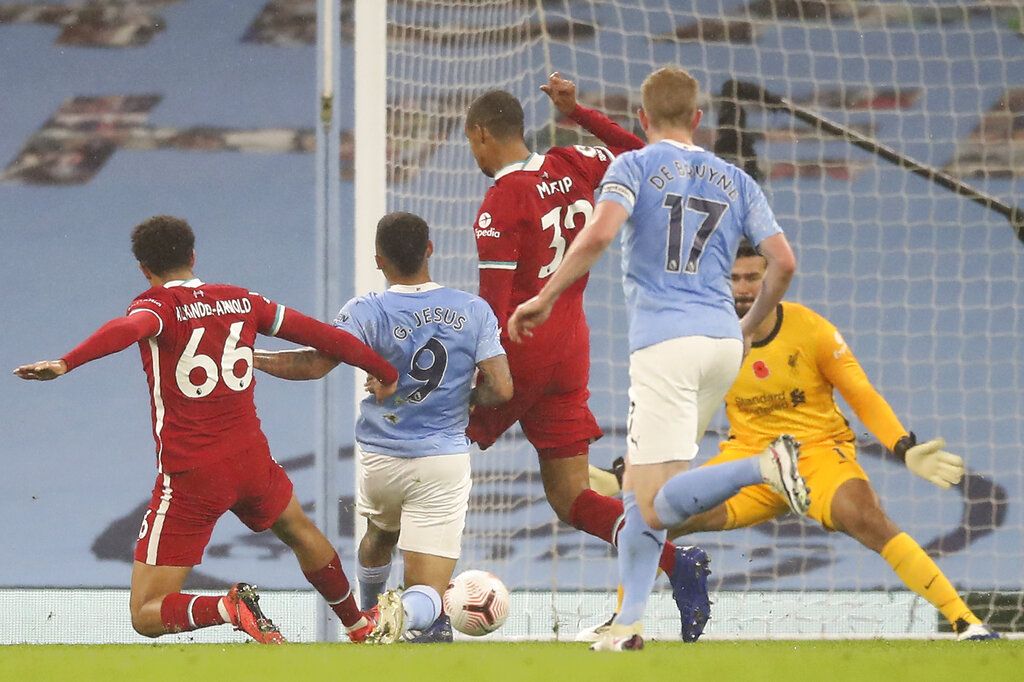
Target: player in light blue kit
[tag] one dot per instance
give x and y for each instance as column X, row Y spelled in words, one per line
column 687, row 211
column 413, row 452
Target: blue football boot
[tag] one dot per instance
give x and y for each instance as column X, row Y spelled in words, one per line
column 689, row 582
column 440, row 632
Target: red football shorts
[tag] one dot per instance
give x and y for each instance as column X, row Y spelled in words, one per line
column 186, row 505
column 550, row 404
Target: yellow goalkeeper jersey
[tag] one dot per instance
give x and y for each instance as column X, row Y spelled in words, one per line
column 786, row 386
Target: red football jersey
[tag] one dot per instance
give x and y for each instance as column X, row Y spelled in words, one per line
column 524, row 227
column 200, row 371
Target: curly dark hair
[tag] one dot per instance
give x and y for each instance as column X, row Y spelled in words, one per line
column 163, row 243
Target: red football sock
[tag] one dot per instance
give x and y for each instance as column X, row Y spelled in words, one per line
column 332, row 583
column 601, row 516
column 183, row 612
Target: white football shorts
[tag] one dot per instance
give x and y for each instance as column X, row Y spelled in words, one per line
column 675, row 388
column 425, row 498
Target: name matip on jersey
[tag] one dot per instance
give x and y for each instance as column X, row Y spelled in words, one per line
column 199, row 368
column 524, row 226
column 435, row 337
column 786, row 386
column 688, row 211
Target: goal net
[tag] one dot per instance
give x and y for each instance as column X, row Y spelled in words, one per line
column 927, row 287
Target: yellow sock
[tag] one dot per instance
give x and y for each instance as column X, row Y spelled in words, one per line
column 618, row 601
column 918, row 572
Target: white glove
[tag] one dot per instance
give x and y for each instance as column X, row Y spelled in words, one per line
column 931, row 462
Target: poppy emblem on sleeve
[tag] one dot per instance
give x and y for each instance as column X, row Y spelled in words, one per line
column 761, row 369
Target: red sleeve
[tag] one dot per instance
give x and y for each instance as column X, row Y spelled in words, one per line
column 269, row 315
column 617, row 138
column 114, row 336
column 339, row 344
column 497, row 245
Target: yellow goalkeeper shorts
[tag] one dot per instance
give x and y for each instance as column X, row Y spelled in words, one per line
column 825, row 467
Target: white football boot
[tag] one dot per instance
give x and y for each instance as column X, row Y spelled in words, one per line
column 620, row 638
column 779, row 470
column 592, row 634
column 391, row 619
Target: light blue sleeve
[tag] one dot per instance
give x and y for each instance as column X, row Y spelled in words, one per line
column 488, row 338
column 760, row 222
column 352, row 319
column 621, row 182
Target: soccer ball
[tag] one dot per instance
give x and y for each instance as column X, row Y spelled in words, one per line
column 477, row 602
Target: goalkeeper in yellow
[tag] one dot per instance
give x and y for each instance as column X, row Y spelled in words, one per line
column 786, row 385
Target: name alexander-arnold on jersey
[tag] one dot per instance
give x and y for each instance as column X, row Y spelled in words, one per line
column 232, row 306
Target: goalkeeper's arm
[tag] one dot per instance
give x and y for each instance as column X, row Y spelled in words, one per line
column 929, row 460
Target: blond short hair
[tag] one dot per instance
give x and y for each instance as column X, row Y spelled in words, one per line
column 670, row 97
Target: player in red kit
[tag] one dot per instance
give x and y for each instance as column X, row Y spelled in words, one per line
column 528, row 219
column 196, row 341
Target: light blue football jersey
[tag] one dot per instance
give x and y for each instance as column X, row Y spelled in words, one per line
column 688, row 211
column 434, row 336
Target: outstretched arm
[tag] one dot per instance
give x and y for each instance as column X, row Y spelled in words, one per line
column 929, row 460
column 336, row 343
column 112, row 337
column 563, row 95
column 301, row 364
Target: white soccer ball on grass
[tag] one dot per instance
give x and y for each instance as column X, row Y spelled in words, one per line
column 477, row 602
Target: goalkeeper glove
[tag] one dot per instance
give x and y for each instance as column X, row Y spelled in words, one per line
column 930, row 460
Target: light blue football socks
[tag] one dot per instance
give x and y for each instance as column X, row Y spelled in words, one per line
column 372, row 581
column 639, row 550
column 697, row 490
column 422, row 606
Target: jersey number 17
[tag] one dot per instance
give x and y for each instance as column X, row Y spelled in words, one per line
column 712, row 212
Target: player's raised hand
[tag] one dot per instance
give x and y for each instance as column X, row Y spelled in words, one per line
column 931, row 462
column 380, row 390
column 528, row 314
column 44, row 370
column 561, row 91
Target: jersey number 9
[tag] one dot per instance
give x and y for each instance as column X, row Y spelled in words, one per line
column 434, row 353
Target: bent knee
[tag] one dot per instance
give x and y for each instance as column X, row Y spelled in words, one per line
column 562, row 499
column 145, row 627
column 650, row 516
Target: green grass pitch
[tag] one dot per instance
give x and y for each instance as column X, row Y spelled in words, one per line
column 905, row 661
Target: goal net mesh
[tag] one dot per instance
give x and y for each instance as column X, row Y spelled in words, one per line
column 927, row 287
